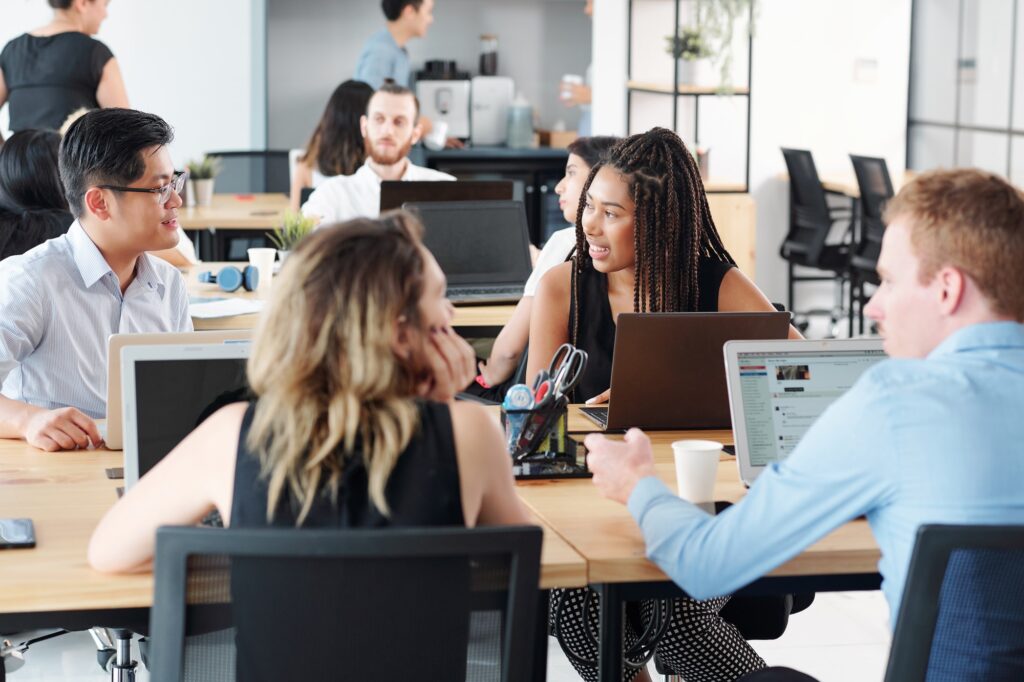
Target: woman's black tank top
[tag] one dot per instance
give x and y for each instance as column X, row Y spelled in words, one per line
column 423, row 489
column 596, row 333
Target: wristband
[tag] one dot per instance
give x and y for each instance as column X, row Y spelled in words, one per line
column 483, row 382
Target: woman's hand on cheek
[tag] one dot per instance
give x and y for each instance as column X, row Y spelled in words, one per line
column 452, row 365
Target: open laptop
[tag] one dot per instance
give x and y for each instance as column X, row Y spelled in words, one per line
column 777, row 389
column 113, row 431
column 395, row 193
column 667, row 370
column 483, row 247
column 169, row 390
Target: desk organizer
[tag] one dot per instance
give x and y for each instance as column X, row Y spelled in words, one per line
column 542, row 447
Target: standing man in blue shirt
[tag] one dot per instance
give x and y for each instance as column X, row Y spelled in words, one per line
column 384, row 56
column 931, row 435
column 60, row 301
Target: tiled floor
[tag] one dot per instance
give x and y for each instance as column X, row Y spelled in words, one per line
column 843, row 637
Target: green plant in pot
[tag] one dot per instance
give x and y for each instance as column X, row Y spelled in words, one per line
column 689, row 47
column 200, row 179
column 294, row 227
column 712, row 37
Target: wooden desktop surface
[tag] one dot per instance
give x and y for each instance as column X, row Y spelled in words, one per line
column 466, row 316
column 66, row 493
column 236, row 212
column 606, row 535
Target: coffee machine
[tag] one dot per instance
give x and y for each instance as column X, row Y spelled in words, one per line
column 444, row 94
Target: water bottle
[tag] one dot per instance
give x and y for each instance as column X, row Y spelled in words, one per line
column 520, row 123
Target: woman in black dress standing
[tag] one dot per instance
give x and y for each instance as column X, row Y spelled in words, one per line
column 50, row 72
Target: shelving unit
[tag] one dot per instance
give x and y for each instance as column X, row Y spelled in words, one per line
column 675, row 89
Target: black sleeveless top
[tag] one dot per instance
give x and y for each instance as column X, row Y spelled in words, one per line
column 423, row 489
column 50, row 77
column 596, row 333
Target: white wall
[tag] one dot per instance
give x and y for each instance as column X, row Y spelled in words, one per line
column 827, row 76
column 314, row 50
column 193, row 62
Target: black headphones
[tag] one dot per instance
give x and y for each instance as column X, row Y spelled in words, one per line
column 231, row 278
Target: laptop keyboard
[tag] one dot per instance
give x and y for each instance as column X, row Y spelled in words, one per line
column 485, row 293
column 598, row 415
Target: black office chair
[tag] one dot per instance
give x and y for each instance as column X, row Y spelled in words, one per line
column 304, row 194
column 448, row 604
column 253, row 172
column 875, row 190
column 810, row 222
column 961, row 616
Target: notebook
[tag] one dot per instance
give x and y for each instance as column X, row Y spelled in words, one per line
column 113, row 431
column 483, row 247
column 169, row 390
column 667, row 370
column 777, row 389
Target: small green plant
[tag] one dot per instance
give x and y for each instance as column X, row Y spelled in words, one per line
column 206, row 168
column 690, row 46
column 292, row 230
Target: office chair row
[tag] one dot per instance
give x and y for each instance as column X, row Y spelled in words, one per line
column 849, row 262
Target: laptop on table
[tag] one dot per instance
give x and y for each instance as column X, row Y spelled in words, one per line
column 482, row 247
column 395, row 193
column 777, row 389
column 113, row 431
column 168, row 391
column 667, row 370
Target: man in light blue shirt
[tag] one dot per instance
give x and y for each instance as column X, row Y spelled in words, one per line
column 932, row 435
column 384, row 56
column 60, row 301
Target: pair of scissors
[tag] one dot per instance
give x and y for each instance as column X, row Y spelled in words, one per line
column 566, row 369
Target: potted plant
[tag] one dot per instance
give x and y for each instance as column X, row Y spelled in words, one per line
column 294, row 227
column 200, row 180
column 690, row 47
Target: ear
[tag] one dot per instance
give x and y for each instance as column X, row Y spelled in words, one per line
column 401, row 342
column 96, row 203
column 952, row 283
column 362, row 125
column 417, row 132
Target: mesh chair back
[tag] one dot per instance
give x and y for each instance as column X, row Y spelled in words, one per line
column 272, row 604
column 962, row 613
column 810, row 221
column 253, row 172
column 875, row 190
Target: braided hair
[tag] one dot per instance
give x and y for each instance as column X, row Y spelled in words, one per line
column 672, row 223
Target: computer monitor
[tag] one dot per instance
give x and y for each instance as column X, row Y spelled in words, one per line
column 394, row 193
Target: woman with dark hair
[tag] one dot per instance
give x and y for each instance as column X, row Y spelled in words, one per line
column 336, row 147
column 645, row 242
column 495, row 373
column 58, row 68
column 32, row 203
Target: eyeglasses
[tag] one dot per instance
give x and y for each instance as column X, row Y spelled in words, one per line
column 177, row 184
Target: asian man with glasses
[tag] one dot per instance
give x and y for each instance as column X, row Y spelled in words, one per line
column 60, row 301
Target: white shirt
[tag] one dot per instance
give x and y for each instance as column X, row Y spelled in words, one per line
column 557, row 248
column 59, row 303
column 346, row 197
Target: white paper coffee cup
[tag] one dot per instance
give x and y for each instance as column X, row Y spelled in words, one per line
column 696, row 469
column 263, row 261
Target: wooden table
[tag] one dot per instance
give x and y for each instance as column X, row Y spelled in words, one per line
column 470, row 320
column 65, row 494
column 236, row 212
column 607, row 537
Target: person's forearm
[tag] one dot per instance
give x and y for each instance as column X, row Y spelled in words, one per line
column 14, row 416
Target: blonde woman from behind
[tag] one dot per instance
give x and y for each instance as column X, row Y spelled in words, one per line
column 354, row 368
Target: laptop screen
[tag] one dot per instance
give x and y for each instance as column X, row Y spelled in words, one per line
column 482, row 243
column 172, row 397
column 783, row 393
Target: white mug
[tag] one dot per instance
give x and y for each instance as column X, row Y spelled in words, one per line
column 696, row 469
column 263, row 261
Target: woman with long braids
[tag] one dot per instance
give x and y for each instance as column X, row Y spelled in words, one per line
column 646, row 242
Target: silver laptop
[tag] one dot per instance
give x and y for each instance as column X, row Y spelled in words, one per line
column 168, row 391
column 113, row 431
column 777, row 389
column 483, row 247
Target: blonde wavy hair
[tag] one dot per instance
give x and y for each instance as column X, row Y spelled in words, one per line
column 323, row 365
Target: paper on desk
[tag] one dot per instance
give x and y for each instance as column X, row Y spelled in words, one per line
column 227, row 307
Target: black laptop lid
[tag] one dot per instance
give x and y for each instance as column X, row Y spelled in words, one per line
column 477, row 242
column 668, row 369
column 394, row 193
